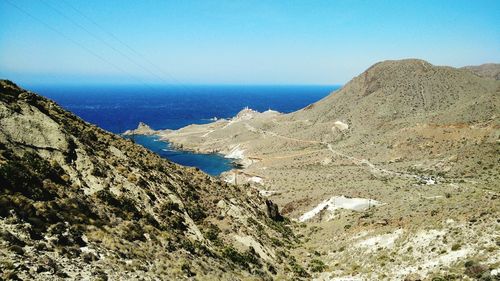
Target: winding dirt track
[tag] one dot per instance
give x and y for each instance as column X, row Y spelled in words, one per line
column 359, row 162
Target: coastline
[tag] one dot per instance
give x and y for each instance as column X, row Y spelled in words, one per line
column 179, row 149
column 236, row 152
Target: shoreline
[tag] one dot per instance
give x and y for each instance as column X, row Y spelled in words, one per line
column 233, row 151
column 235, row 163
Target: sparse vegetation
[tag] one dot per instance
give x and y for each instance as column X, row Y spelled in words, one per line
column 411, row 143
column 245, row 260
column 316, row 265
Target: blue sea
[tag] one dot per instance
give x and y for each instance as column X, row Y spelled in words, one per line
column 119, row 108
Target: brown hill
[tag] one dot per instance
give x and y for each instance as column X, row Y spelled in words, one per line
column 487, row 70
column 412, row 89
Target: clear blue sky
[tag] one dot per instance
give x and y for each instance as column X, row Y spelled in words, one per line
column 237, row 42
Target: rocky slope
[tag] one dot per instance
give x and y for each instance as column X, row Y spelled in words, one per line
column 80, row 203
column 488, row 70
column 394, row 176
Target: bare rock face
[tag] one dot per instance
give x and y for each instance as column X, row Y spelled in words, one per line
column 39, row 132
column 78, row 202
column 273, row 211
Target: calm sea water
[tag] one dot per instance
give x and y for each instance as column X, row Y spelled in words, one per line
column 212, row 164
column 119, row 108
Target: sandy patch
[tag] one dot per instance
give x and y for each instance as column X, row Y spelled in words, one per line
column 340, row 126
column 235, row 153
column 267, row 193
column 340, row 202
column 255, row 179
column 380, row 241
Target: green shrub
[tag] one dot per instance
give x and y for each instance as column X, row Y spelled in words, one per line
column 186, row 268
column 244, row 260
column 281, row 227
column 235, row 256
column 170, row 206
column 134, row 232
column 277, row 242
column 317, row 265
column 469, row 263
column 188, row 246
column 24, row 175
column 176, row 221
column 212, row 233
column 299, row 270
column 196, row 212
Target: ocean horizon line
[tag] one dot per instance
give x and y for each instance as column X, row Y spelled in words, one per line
column 164, row 85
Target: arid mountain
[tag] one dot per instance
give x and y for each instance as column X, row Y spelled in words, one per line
column 407, row 89
column 488, row 70
column 78, row 202
column 394, row 176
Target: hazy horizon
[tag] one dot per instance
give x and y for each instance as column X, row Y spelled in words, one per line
column 235, row 42
column 91, row 84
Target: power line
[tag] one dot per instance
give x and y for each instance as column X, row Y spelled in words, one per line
column 102, row 40
column 124, row 44
column 75, row 42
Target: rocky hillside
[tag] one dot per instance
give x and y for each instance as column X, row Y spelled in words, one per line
column 394, row 176
column 487, row 70
column 411, row 110
column 78, row 202
column 408, row 89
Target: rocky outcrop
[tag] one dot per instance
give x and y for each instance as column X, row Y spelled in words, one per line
column 142, row 129
column 273, row 211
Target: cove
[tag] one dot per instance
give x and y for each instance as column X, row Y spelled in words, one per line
column 212, row 163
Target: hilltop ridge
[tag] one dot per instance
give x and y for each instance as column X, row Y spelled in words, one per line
column 487, row 70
